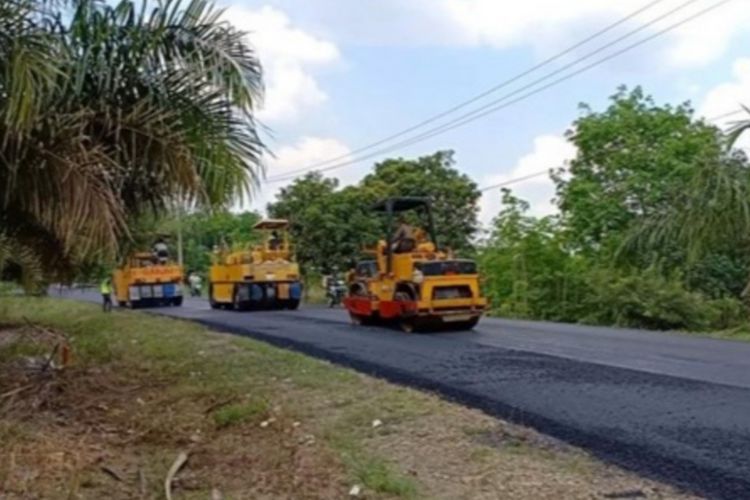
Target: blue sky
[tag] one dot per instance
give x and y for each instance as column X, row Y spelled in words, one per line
column 343, row 73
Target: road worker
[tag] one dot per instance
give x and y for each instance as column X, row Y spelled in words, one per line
column 106, row 289
column 403, row 238
column 161, row 251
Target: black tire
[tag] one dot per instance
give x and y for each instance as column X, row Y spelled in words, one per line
column 359, row 319
column 177, row 301
column 466, row 325
column 237, row 304
column 211, row 301
column 405, row 324
column 293, row 304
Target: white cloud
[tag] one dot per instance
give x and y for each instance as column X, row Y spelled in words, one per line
column 550, row 151
column 542, row 24
column 693, row 44
column 306, row 151
column 728, row 97
column 289, row 56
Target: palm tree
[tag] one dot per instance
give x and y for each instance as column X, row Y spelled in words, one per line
column 112, row 110
column 739, row 128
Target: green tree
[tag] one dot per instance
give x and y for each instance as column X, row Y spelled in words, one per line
column 111, row 110
column 631, row 161
column 528, row 270
column 329, row 226
column 454, row 195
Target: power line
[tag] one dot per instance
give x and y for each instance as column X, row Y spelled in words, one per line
column 487, row 92
column 498, row 104
column 513, row 181
column 543, row 172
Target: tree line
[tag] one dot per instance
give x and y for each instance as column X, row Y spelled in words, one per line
column 116, row 117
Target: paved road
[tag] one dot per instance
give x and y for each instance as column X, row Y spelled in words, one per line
column 668, row 406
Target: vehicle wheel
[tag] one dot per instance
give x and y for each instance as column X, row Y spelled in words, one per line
column 407, row 325
column 293, row 304
column 359, row 319
column 211, row 301
column 467, row 325
column 236, row 302
column 177, row 302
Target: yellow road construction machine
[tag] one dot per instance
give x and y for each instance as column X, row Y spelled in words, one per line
column 263, row 277
column 144, row 280
column 411, row 282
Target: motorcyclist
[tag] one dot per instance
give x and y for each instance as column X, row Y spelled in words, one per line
column 335, row 288
column 161, row 251
column 196, row 283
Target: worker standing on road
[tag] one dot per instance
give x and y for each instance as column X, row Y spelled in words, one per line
column 106, row 289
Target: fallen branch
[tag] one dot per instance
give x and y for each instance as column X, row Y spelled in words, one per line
column 142, row 483
column 111, row 472
column 219, row 404
column 15, row 391
column 51, row 357
column 176, row 466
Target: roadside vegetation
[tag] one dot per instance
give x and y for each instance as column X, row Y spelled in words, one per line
column 654, row 213
column 654, row 210
column 253, row 422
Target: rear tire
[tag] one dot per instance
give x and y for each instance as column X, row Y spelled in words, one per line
column 407, row 325
column 361, row 319
column 236, row 302
column 211, row 301
column 293, row 305
column 467, row 325
column 177, row 302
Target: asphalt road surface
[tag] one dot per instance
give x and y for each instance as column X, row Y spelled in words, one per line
column 668, row 406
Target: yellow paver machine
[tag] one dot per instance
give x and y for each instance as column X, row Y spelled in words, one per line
column 413, row 283
column 263, row 277
column 145, row 281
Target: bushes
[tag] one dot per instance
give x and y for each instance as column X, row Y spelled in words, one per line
column 607, row 296
column 645, row 300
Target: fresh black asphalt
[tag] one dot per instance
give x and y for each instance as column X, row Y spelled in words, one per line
column 668, row 406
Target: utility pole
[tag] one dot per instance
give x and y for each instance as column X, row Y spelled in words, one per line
column 179, row 235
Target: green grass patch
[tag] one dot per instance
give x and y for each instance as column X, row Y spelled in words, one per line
column 233, row 414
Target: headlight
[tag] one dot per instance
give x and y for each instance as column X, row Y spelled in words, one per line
column 417, row 276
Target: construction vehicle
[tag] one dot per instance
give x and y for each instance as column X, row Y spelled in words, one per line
column 262, row 277
column 413, row 283
column 145, row 280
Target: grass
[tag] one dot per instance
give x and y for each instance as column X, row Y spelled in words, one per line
column 257, row 421
column 239, row 413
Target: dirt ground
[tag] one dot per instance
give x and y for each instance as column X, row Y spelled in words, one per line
column 253, row 421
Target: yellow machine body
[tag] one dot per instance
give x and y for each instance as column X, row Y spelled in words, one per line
column 141, row 281
column 263, row 277
column 420, row 288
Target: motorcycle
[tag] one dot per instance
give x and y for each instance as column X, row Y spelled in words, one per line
column 196, row 287
column 335, row 293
